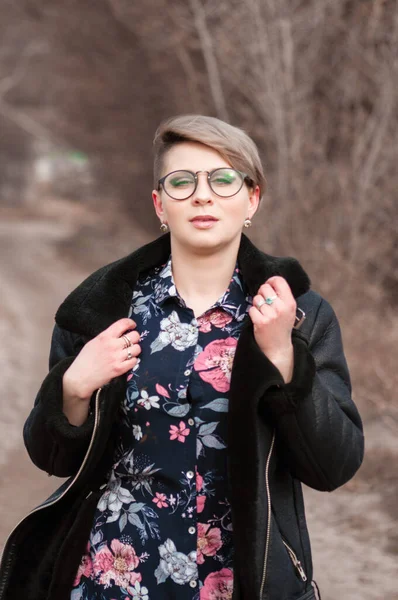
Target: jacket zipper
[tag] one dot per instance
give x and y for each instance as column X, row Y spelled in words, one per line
column 297, row 564
column 39, row 508
column 263, row 579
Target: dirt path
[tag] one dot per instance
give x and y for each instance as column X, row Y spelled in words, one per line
column 351, row 530
column 351, row 534
column 31, row 289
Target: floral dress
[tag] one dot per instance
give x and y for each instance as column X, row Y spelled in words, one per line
column 162, row 528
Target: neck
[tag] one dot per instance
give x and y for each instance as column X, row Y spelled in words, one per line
column 201, row 278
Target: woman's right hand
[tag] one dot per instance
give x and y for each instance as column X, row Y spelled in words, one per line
column 100, row 360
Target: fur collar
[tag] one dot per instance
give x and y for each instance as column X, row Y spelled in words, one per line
column 105, row 296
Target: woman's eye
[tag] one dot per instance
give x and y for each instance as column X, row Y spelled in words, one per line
column 224, row 180
column 180, row 182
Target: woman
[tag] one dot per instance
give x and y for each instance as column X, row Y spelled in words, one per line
column 193, row 385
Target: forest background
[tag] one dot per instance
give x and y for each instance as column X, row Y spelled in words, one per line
column 83, row 86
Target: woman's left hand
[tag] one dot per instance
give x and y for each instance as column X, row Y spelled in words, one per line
column 273, row 323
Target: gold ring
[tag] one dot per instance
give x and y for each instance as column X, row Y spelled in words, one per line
column 127, row 341
column 129, row 355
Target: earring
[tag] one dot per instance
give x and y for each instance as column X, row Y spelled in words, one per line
column 247, row 223
column 164, row 227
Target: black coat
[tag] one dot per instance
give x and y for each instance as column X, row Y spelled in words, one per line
column 306, row 431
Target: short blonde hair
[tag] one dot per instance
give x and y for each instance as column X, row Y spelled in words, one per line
column 232, row 143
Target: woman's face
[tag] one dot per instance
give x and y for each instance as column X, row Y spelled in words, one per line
column 229, row 213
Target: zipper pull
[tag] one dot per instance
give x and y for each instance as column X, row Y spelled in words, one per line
column 295, row 561
column 301, row 571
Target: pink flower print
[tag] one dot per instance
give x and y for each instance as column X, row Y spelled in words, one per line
column 204, row 323
column 85, row 568
column 200, row 503
column 218, row 317
column 134, row 578
column 117, row 565
column 209, row 542
column 199, row 482
column 218, row 586
column 179, row 433
column 160, row 500
column 162, row 391
column 214, row 363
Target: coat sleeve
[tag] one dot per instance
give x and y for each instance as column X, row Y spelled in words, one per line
column 317, row 423
column 53, row 444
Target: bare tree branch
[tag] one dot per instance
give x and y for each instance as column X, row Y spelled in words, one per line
column 210, row 59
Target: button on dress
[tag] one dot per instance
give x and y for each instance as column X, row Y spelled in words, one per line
column 162, row 528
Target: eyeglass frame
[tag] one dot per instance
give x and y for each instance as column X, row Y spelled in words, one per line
column 245, row 177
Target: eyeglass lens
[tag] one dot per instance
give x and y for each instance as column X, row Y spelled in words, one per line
column 223, row 182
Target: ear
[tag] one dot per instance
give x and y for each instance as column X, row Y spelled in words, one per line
column 254, row 201
column 158, row 204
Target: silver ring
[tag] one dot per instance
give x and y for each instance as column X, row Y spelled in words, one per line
column 260, row 303
column 127, row 341
column 129, row 355
column 270, row 299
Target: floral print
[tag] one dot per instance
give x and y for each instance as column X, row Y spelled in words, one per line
column 209, row 541
column 179, row 335
column 160, row 500
column 138, row 592
column 162, row 529
column 214, row 364
column 85, row 567
column 179, row 433
column 117, row 564
column 147, row 401
column 115, row 496
column 217, row 318
column 218, row 586
column 181, row 568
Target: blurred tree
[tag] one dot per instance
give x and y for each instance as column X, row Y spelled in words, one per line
column 315, row 84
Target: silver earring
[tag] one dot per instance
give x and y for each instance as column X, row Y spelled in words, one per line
column 247, row 223
column 164, row 227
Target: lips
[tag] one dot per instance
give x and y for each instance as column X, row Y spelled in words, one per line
column 204, row 219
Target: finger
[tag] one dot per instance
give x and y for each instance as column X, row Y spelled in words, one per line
column 130, row 338
column 264, row 301
column 280, row 287
column 119, row 327
column 127, row 365
column 130, row 353
column 256, row 316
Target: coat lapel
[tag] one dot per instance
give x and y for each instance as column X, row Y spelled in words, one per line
column 105, row 296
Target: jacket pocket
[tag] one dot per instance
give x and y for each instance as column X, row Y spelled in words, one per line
column 286, row 577
column 295, row 561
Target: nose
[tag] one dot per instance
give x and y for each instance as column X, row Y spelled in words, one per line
column 203, row 193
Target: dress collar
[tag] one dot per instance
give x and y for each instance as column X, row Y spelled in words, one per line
column 230, row 301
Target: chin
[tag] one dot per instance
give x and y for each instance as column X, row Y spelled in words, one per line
column 210, row 241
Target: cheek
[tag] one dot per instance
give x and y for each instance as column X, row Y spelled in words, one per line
column 237, row 209
column 174, row 212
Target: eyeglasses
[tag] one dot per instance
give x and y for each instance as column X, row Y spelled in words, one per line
column 224, row 182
